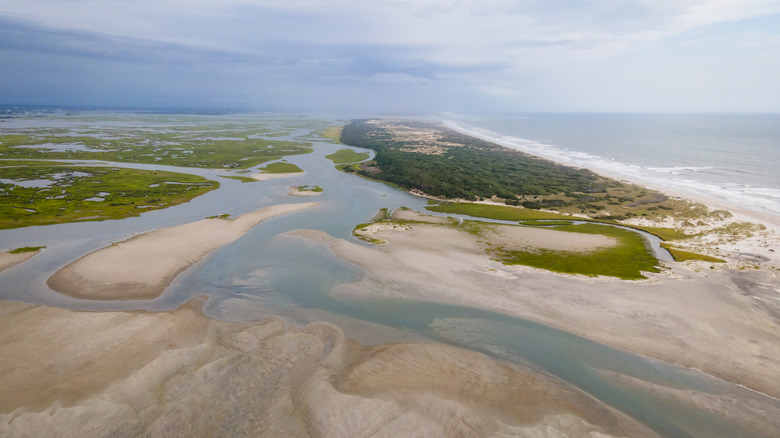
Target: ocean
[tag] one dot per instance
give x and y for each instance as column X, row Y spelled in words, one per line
column 732, row 159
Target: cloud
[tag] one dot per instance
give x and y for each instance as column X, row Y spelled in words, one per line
column 443, row 50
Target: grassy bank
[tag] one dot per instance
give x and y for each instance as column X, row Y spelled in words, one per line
column 498, row 212
column 343, row 156
column 281, row 167
column 626, row 260
column 43, row 195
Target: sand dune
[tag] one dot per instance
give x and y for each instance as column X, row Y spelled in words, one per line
column 143, row 266
column 180, row 373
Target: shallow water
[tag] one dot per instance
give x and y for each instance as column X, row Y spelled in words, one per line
column 267, row 273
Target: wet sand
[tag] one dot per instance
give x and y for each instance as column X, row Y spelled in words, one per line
column 8, row 260
column 723, row 322
column 143, row 266
column 179, row 373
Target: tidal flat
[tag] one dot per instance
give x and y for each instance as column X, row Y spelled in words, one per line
column 299, row 328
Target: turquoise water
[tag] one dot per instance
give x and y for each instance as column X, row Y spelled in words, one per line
column 267, row 273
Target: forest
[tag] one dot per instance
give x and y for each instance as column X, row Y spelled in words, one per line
column 443, row 163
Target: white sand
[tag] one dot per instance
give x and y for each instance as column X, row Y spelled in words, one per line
column 143, row 266
column 178, row 373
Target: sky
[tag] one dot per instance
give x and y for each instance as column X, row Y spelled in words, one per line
column 407, row 56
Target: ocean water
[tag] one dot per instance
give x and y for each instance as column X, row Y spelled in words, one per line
column 733, row 159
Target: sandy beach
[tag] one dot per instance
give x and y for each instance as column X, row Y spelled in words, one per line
column 143, row 266
column 178, row 373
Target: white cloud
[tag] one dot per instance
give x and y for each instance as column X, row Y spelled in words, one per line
column 494, row 47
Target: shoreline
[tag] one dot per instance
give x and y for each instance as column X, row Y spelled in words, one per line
column 762, row 217
column 112, row 272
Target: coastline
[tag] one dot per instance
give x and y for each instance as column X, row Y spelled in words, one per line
column 752, row 215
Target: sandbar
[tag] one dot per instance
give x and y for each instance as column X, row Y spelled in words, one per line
column 262, row 176
column 179, row 373
column 8, row 260
column 295, row 191
column 143, row 266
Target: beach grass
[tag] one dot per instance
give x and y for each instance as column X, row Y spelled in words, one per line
column 662, row 233
column 344, row 156
column 498, row 212
column 316, row 189
column 627, row 260
column 684, row 256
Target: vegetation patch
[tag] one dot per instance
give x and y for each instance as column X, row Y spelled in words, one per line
column 684, row 256
column 243, row 179
column 333, row 133
column 427, row 158
column 44, row 195
column 499, row 212
column 663, row 233
column 343, row 156
column 280, row 167
column 316, row 189
column 627, row 260
column 26, row 249
column 174, row 142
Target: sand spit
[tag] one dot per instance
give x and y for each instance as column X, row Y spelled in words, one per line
column 143, row 266
column 8, row 260
column 179, row 373
column 262, row 176
column 724, row 322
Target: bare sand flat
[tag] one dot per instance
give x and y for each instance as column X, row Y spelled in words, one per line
column 8, row 260
column 538, row 238
column 262, row 176
column 85, row 374
column 143, row 266
column 724, row 322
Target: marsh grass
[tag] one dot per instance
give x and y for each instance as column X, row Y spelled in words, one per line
column 280, row 167
column 26, row 249
column 78, row 193
column 498, row 212
column 684, row 256
column 344, row 156
column 626, row 260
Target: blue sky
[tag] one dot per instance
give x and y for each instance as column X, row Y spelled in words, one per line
column 395, row 55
